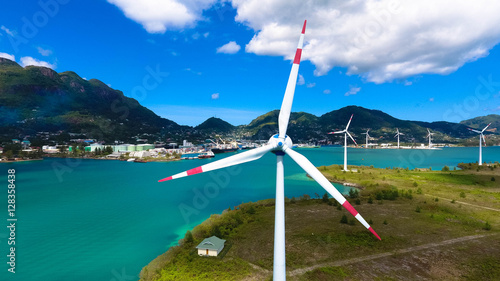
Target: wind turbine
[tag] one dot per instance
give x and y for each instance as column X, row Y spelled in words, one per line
column 398, row 134
column 280, row 144
column 480, row 144
column 429, row 136
column 345, row 141
column 367, row 137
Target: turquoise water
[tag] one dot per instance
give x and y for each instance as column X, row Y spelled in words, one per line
column 105, row 220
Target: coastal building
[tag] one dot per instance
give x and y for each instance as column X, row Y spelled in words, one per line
column 145, row 146
column 211, row 246
column 50, row 149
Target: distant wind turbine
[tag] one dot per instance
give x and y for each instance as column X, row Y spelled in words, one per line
column 281, row 144
column 481, row 136
column 397, row 135
column 367, row 137
column 345, row 141
column 429, row 136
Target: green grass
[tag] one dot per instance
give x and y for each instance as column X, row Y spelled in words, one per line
column 315, row 234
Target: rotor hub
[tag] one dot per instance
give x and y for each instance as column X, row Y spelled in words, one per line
column 280, row 142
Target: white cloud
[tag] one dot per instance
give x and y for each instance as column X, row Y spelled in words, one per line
column 381, row 40
column 229, row 48
column 215, row 96
column 8, row 56
column 44, row 52
column 327, row 92
column 301, row 80
column 156, row 16
column 431, row 99
column 206, row 34
column 352, row 91
column 25, row 61
column 311, row 85
column 8, row 31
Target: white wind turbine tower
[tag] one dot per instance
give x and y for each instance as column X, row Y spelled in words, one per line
column 280, row 144
column 367, row 138
column 398, row 134
column 429, row 136
column 345, row 141
column 481, row 136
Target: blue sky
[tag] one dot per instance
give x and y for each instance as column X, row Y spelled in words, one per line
column 191, row 60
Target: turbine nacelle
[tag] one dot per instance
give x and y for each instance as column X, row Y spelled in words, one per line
column 278, row 142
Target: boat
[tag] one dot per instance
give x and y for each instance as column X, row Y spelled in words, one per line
column 131, row 160
column 221, row 149
column 208, row 154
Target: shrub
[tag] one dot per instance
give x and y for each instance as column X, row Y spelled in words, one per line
column 436, row 199
column 415, row 184
column 419, row 191
column 487, row 226
column 352, row 222
column 370, row 222
column 353, row 193
column 370, row 200
column 445, row 169
column 188, row 238
column 385, row 222
column 453, row 201
column 418, row 210
column 462, row 194
column 344, row 219
column 325, row 198
column 357, row 202
column 492, row 178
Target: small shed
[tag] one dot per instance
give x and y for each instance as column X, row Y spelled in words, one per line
column 211, row 246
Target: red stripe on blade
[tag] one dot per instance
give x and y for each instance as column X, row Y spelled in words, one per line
column 194, row 171
column 304, row 27
column 297, row 56
column 165, row 179
column 350, row 208
column 374, row 233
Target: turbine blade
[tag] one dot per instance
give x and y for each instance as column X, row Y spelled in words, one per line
column 239, row 158
column 475, row 131
column 286, row 106
column 348, row 123
column 485, row 128
column 319, row 178
column 352, row 138
column 483, row 139
column 337, row 132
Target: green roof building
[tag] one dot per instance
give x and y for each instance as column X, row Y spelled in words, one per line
column 211, row 246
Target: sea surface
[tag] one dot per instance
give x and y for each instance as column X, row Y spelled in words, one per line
column 105, row 220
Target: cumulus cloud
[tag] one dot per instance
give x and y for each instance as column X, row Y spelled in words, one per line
column 327, row 92
column 301, row 80
column 311, row 85
column 352, row 91
column 156, row 16
column 431, row 99
column 8, row 31
column 8, row 56
column 25, row 61
column 44, row 52
column 215, row 96
column 229, row 48
column 380, row 40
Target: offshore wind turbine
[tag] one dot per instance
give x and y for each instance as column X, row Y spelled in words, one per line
column 281, row 144
column 480, row 143
column 397, row 135
column 429, row 136
column 367, row 137
column 345, row 141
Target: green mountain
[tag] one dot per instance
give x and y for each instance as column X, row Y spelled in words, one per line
column 215, row 125
column 480, row 122
column 304, row 126
column 34, row 99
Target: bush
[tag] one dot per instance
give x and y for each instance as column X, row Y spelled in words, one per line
column 419, row 191
column 492, row 178
column 418, row 210
column 415, row 184
column 385, row 222
column 357, row 202
column 370, row 222
column 487, row 226
column 325, row 198
column 370, row 200
column 344, row 219
column 353, row 193
column 462, row 194
column 445, row 169
column 436, row 199
column 188, row 238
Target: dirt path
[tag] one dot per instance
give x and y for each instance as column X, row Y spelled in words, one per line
column 464, row 203
column 386, row 254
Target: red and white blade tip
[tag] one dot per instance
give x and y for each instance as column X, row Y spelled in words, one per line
column 355, row 213
column 304, row 27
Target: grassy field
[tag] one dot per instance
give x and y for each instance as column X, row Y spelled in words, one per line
column 434, row 225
